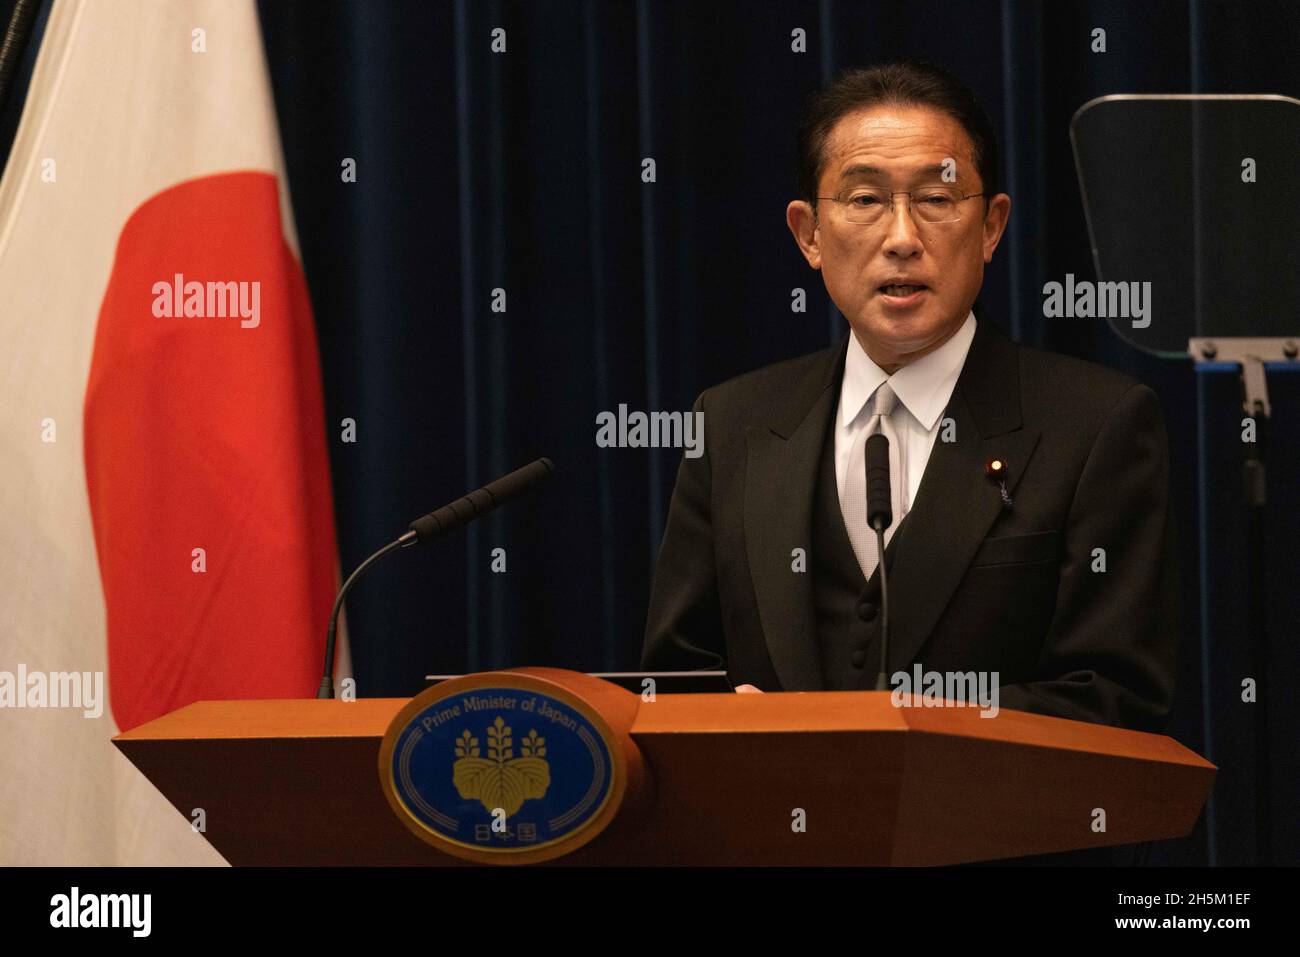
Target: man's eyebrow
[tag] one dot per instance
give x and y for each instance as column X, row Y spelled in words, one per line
column 860, row 170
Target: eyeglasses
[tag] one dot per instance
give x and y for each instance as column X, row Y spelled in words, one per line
column 932, row 204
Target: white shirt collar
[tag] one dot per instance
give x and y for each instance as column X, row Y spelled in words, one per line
column 923, row 387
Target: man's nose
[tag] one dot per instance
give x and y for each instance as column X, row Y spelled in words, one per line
column 902, row 237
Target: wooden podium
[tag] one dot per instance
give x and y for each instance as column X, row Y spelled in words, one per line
column 720, row 779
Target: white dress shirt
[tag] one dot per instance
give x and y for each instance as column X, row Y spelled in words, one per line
column 923, row 388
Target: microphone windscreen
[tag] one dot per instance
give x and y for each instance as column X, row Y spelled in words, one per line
column 876, row 456
column 481, row 501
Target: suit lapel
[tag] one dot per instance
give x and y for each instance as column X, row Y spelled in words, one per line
column 957, row 503
column 780, row 481
column 928, row 555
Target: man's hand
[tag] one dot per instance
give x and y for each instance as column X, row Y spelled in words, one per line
column 748, row 689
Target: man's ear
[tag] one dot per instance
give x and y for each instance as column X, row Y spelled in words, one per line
column 801, row 219
column 995, row 223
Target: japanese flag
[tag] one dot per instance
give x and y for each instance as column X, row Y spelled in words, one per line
column 165, row 509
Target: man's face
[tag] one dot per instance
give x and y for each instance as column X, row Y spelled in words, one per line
column 900, row 148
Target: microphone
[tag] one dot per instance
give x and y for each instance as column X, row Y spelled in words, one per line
column 880, row 516
column 880, row 513
column 477, row 504
column 436, row 525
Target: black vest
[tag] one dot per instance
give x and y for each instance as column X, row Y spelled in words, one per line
column 846, row 606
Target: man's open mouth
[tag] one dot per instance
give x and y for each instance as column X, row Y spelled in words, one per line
column 900, row 289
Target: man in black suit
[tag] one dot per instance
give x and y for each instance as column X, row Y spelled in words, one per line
column 1056, row 572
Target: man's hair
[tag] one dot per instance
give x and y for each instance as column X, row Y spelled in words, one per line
column 894, row 83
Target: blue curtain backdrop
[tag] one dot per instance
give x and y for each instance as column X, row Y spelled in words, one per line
column 521, row 171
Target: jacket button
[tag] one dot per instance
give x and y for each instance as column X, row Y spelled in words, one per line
column 859, row 658
column 866, row 611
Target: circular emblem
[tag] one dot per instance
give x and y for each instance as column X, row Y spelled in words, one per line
column 497, row 767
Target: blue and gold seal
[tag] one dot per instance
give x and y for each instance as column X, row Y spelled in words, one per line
column 502, row 767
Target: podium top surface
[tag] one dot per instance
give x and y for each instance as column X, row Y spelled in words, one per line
column 773, row 713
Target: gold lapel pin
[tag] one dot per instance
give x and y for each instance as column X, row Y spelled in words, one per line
column 996, row 469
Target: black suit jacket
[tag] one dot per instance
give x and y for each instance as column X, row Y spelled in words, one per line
column 974, row 584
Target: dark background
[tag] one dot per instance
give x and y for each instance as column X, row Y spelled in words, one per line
column 522, row 171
